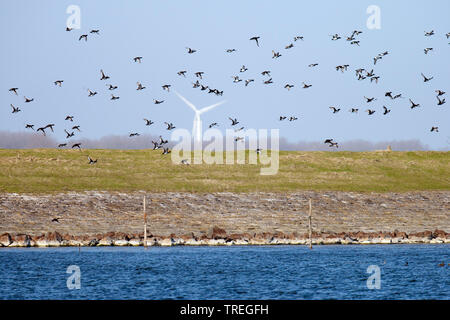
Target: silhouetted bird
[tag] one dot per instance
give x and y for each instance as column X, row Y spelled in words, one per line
column 425, row 79
column 103, row 77
column 15, row 109
column 91, row 161
column 256, row 39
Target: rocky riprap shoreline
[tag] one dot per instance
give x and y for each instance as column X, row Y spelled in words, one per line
column 113, row 218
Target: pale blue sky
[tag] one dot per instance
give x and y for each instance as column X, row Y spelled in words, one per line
column 36, row 50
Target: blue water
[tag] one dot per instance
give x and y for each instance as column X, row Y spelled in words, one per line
column 266, row 272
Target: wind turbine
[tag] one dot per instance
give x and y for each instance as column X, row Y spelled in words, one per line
column 197, row 124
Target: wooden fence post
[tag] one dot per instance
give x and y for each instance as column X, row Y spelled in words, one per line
column 145, row 226
column 310, row 228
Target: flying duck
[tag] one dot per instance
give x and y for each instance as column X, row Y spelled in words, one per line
column 425, row 79
column 158, row 101
column 137, row 59
column 190, row 51
column 113, row 97
column 29, row 126
column 170, row 125
column 41, row 129
column 236, row 79
column 50, row 126
column 288, row 86
column 440, row 102
column 69, row 135
column 156, row 145
column 233, row 121
column 70, row 118
column 111, row 87
column 166, row 87
column 386, row 110
column 334, row 109
column 370, row 99
column 15, row 109
column 199, row 74
column 91, row 161
column 248, row 81
column 103, row 77
column 58, row 82
column 256, row 39
column 275, row 54
column 335, row 37
column 162, row 141
column 140, row 86
column 91, row 93
column 83, row 36
column 148, row 122
column 413, row 105
column 28, row 100
column 13, row 90
column 333, row 144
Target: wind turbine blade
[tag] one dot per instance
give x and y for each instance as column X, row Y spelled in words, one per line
column 211, row 107
column 186, row 101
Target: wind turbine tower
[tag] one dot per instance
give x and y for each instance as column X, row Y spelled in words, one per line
column 197, row 129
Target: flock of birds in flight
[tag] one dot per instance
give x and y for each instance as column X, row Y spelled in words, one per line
column 361, row 74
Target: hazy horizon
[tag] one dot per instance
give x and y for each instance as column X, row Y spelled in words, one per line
column 27, row 140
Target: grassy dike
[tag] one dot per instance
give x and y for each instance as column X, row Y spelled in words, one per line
column 51, row 171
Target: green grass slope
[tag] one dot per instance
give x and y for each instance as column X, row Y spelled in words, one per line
column 50, row 171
